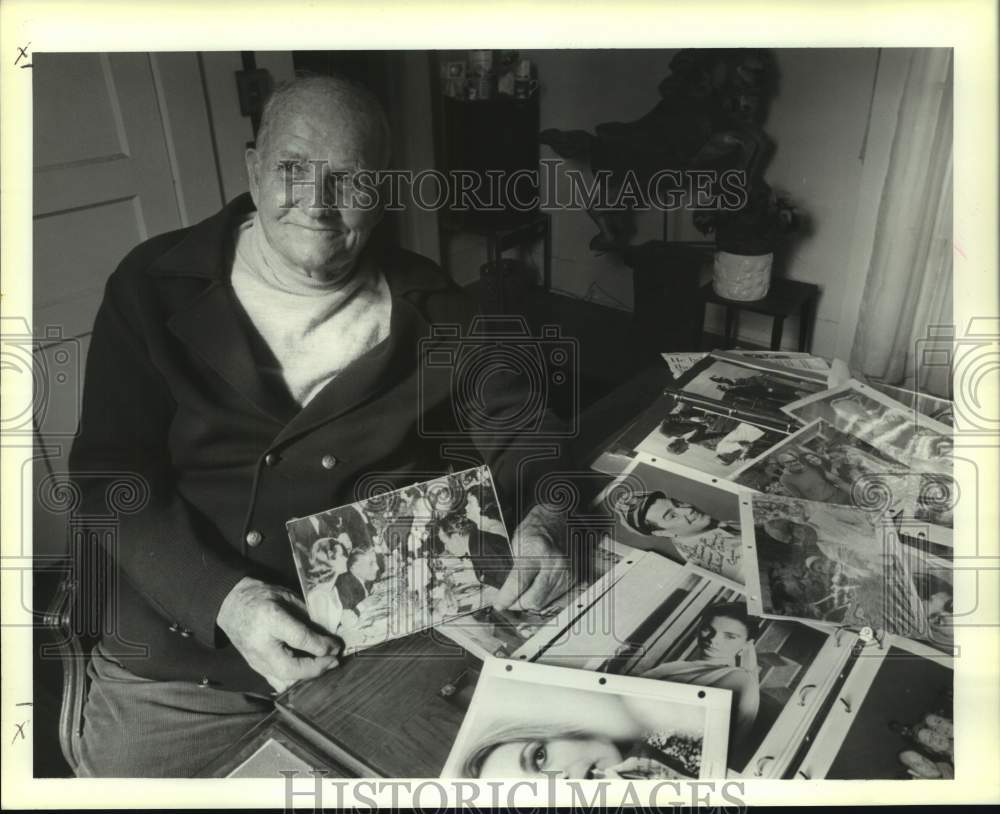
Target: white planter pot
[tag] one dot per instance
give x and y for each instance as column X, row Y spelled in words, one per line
column 742, row 277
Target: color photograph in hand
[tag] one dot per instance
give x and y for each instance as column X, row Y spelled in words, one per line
column 402, row 561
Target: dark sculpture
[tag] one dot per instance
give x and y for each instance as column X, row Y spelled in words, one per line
column 709, row 116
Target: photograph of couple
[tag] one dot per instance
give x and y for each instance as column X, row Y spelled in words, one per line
column 705, row 440
column 833, row 564
column 402, row 561
column 530, row 720
column 684, row 519
column 703, row 634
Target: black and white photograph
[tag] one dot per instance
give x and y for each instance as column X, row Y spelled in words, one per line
column 702, row 633
column 747, row 388
column 861, row 411
column 832, row 564
column 526, row 720
column 402, row 561
column 709, row 441
column 315, row 318
column 686, row 517
column 894, row 719
column 822, row 464
column 522, row 634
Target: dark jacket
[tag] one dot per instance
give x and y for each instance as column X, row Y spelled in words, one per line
column 176, row 409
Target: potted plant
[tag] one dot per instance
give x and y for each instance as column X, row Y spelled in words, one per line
column 746, row 240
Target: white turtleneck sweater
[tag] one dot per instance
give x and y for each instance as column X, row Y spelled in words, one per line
column 313, row 328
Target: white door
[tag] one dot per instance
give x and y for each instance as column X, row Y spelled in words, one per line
column 123, row 151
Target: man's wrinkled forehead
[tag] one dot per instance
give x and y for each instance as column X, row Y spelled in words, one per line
column 317, row 127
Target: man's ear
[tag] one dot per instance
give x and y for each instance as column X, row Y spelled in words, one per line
column 252, row 160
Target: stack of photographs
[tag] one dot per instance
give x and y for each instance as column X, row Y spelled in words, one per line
column 842, row 551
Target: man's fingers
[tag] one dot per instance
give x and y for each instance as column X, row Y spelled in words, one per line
column 520, row 576
column 546, row 586
column 298, row 635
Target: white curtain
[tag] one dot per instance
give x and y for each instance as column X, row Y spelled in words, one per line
column 908, row 291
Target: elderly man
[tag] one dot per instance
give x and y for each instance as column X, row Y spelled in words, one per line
column 251, row 369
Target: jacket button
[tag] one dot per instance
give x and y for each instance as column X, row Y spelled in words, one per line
column 203, row 682
column 328, row 462
column 174, row 627
column 270, row 459
column 254, row 538
column 185, row 633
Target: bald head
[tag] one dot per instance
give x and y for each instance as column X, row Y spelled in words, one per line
column 352, row 107
column 316, row 135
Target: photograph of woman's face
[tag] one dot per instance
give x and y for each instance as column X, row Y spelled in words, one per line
column 676, row 518
column 570, row 758
column 721, row 638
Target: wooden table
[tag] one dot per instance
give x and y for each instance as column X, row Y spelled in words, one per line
column 784, row 299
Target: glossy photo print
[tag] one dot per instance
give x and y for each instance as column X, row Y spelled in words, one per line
column 707, row 440
column 747, row 388
column 521, row 633
column 827, row 563
column 893, row 719
column 529, row 720
column 901, row 432
column 402, row 561
column 702, row 633
column 686, row 517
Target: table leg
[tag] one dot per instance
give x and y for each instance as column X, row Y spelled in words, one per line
column 805, row 325
column 777, row 328
column 730, row 327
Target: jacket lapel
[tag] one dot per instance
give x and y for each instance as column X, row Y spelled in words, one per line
column 213, row 327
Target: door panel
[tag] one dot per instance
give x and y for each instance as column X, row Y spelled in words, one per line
column 118, row 138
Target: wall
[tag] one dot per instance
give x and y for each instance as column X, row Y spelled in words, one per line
column 819, row 120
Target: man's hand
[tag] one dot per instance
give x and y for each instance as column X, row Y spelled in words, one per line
column 541, row 572
column 267, row 624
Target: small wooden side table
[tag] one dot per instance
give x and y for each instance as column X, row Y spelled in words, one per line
column 785, row 298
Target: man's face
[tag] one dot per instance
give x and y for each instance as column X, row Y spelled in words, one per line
column 318, row 241
column 456, row 544
column 722, row 638
column 366, row 567
column 675, row 517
